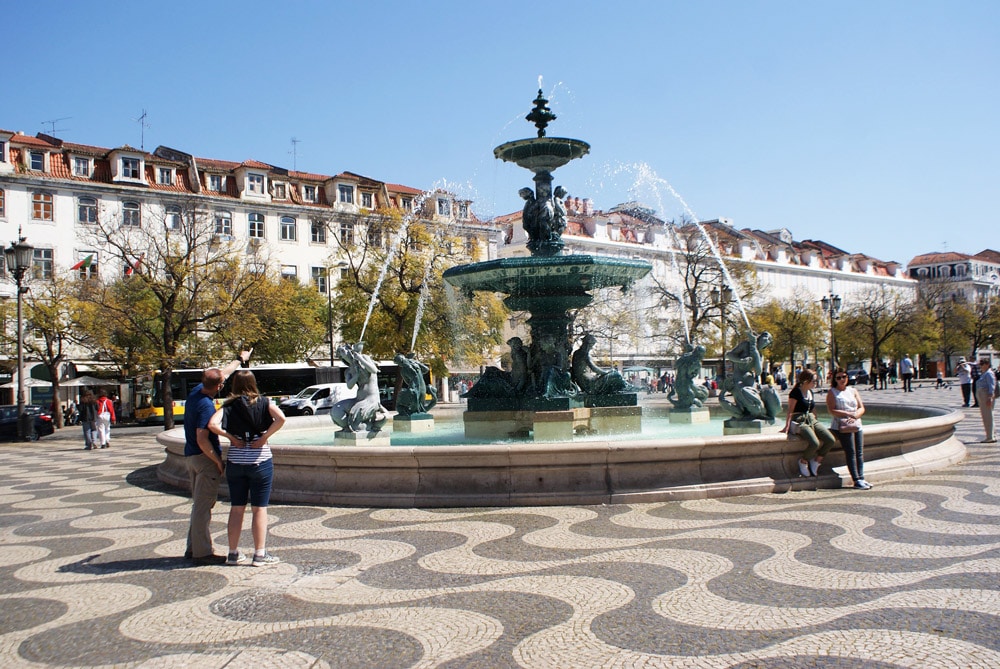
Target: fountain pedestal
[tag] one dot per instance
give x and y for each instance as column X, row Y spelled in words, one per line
column 756, row 426
column 546, row 426
column 416, row 422
column 344, row 438
column 688, row 416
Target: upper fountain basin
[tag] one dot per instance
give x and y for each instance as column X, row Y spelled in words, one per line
column 542, row 154
column 547, row 275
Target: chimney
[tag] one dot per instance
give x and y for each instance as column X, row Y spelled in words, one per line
column 588, row 207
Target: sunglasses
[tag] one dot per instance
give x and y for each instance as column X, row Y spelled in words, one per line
column 840, row 376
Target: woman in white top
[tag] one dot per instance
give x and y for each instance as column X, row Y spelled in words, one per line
column 845, row 405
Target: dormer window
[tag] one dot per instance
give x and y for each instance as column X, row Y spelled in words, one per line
column 217, row 183
column 406, row 204
column 280, row 191
column 368, row 200
column 36, row 161
column 81, row 167
column 309, row 193
column 165, row 176
column 444, row 207
column 463, row 210
column 345, row 194
column 131, row 168
column 3, row 152
column 255, row 183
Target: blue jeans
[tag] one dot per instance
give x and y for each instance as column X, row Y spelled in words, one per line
column 90, row 438
column 853, row 444
column 250, row 483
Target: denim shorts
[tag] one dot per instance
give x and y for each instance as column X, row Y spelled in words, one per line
column 250, row 482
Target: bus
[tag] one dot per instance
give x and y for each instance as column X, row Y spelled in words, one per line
column 277, row 381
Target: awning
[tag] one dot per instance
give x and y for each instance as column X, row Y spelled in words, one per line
column 92, row 381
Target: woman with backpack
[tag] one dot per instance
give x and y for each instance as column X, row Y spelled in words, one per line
column 248, row 420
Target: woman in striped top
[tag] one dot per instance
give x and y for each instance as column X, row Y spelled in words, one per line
column 248, row 420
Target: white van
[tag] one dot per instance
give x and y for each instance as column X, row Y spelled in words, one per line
column 317, row 399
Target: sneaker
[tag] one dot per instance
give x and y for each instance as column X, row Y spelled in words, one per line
column 814, row 466
column 804, row 468
column 265, row 559
column 863, row 485
column 236, row 558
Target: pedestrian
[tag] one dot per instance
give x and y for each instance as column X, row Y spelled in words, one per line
column 986, row 387
column 802, row 421
column 204, row 460
column 843, row 402
column 906, row 373
column 883, row 375
column 975, row 380
column 964, row 374
column 248, row 420
column 105, row 419
column 88, row 419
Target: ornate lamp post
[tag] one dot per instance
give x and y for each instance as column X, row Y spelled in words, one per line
column 721, row 299
column 19, row 256
column 831, row 306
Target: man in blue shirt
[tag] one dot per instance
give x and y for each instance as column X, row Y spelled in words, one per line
column 204, row 460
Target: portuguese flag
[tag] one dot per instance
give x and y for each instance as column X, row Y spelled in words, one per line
column 84, row 263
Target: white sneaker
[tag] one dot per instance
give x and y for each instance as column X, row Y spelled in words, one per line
column 804, row 468
column 236, row 558
column 814, row 466
column 265, row 559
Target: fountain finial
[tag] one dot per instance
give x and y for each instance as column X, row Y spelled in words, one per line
column 541, row 115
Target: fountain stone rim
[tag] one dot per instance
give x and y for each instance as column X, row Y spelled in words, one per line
column 523, row 275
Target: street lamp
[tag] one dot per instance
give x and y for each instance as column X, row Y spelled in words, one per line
column 831, row 306
column 19, row 256
column 340, row 264
column 721, row 298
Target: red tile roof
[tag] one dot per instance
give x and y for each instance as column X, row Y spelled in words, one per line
column 934, row 258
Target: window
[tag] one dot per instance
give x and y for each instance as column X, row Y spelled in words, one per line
column 86, row 210
column 223, row 223
column 463, row 210
column 41, row 206
column 346, row 233
column 3, row 152
column 319, row 277
column 368, row 200
column 86, row 264
column 81, row 167
column 317, row 232
column 36, row 161
column 289, row 272
column 2, row 203
column 279, row 191
column 256, row 227
column 345, row 194
column 287, row 229
column 165, row 176
column 406, row 204
column 309, row 193
column 173, row 218
column 41, row 264
column 217, row 183
column 130, row 168
column 375, row 236
column 131, row 214
column 444, row 207
column 255, row 184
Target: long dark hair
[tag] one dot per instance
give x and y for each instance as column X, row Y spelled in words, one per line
column 804, row 375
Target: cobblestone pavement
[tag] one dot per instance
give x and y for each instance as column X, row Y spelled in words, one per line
column 905, row 575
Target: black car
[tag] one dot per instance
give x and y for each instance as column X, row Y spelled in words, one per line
column 857, row 376
column 8, row 421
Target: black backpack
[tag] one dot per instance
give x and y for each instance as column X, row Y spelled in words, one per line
column 242, row 418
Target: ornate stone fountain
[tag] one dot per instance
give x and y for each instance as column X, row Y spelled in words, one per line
column 538, row 395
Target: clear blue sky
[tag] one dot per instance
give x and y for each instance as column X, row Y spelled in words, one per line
column 872, row 125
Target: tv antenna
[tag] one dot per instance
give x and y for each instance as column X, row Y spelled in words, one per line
column 142, row 129
column 294, row 152
column 53, row 122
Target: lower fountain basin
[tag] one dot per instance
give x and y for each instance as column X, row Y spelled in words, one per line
column 590, row 472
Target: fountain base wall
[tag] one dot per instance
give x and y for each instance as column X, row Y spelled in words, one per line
column 591, row 472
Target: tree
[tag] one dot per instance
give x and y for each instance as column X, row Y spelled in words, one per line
column 885, row 318
column 983, row 331
column 184, row 276
column 797, row 325
column 693, row 291
column 612, row 319
column 396, row 259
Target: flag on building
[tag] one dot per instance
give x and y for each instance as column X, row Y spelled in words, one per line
column 85, row 263
column 134, row 266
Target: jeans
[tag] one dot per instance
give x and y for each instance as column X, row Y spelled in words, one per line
column 907, row 383
column 90, row 438
column 250, row 483
column 966, row 393
column 853, row 445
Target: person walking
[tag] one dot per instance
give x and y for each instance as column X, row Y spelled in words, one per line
column 843, row 402
column 204, row 460
column 105, row 419
column 88, row 419
column 964, row 374
column 802, row 421
column 985, row 392
column 906, row 373
column 248, row 420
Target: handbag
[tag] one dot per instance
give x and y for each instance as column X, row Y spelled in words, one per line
column 847, row 424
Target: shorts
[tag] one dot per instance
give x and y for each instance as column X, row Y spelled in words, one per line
column 250, row 483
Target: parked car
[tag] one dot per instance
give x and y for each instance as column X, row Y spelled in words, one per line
column 857, row 376
column 8, row 421
column 317, row 399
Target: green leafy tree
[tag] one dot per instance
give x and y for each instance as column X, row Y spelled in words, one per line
column 983, row 331
column 797, row 325
column 886, row 319
column 185, row 279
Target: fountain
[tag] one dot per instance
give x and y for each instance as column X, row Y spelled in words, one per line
column 550, row 394
column 543, row 399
